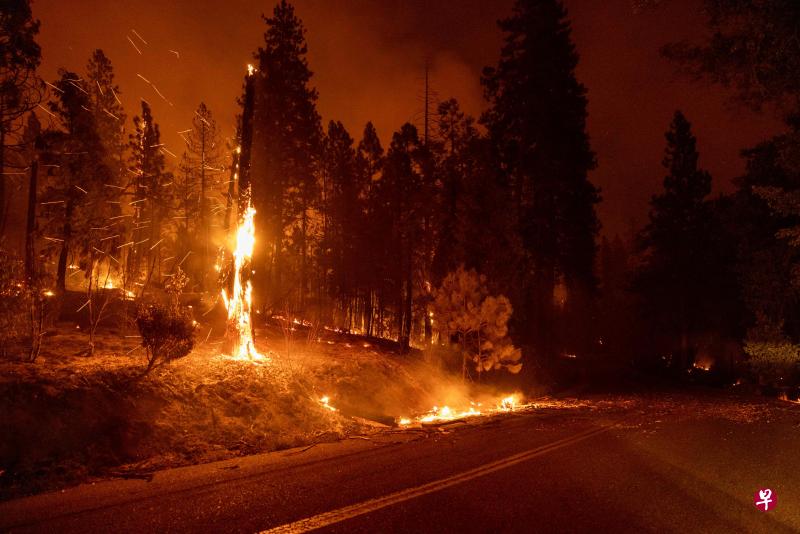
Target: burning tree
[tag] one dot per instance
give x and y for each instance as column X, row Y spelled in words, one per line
column 476, row 321
column 239, row 335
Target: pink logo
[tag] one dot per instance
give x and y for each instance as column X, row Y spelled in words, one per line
column 765, row 500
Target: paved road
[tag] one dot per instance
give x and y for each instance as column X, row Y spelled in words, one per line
column 631, row 469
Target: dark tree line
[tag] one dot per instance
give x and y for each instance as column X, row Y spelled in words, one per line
column 105, row 214
column 361, row 235
column 709, row 271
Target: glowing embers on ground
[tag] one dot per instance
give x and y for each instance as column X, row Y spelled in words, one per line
column 239, row 304
column 446, row 413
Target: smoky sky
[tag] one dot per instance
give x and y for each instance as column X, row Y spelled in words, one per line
column 368, row 60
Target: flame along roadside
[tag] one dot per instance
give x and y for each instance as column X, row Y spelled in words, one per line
column 336, row 516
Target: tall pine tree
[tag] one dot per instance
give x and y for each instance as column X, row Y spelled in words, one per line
column 342, row 217
column 109, row 114
column 80, row 204
column 20, row 89
column 205, row 159
column 537, row 120
column 675, row 275
column 152, row 193
column 402, row 197
column 286, row 147
column 369, row 165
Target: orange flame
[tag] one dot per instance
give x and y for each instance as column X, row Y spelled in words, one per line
column 446, row 413
column 239, row 305
column 325, row 401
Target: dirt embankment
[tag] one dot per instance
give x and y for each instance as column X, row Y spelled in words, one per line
column 69, row 418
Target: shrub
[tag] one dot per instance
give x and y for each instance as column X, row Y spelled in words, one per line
column 15, row 301
column 773, row 357
column 167, row 333
column 774, row 362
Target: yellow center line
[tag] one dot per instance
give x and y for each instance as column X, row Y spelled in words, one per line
column 365, row 507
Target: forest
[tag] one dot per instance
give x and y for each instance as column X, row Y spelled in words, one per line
column 467, row 244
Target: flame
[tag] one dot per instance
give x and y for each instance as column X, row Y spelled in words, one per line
column 325, row 401
column 785, row 398
column 239, row 304
column 508, row 404
column 446, row 413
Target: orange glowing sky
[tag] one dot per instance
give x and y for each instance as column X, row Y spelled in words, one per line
column 368, row 56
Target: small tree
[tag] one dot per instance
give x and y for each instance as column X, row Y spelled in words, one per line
column 464, row 312
column 26, row 307
column 174, row 288
column 100, row 297
column 167, row 330
column 167, row 334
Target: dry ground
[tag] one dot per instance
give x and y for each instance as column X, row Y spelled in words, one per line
column 70, row 417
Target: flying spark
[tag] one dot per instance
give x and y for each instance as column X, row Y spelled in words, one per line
column 54, row 87
column 139, row 36
column 133, row 45
column 46, row 110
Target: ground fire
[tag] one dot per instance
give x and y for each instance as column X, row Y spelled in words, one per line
column 438, row 414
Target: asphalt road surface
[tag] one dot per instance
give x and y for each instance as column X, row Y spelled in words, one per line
column 680, row 464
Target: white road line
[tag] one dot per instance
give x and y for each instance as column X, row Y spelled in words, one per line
column 335, row 516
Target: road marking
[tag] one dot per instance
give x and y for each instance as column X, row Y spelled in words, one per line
column 335, row 516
